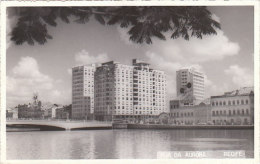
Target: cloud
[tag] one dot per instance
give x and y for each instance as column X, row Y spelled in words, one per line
column 161, row 63
column 69, row 70
column 212, row 89
column 84, row 58
column 173, row 54
column 241, row 77
column 210, row 48
column 26, row 79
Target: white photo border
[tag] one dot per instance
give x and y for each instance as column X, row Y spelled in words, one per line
column 255, row 3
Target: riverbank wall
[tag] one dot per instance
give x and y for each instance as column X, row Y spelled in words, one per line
column 157, row 126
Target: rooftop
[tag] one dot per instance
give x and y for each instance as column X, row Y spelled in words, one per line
column 245, row 91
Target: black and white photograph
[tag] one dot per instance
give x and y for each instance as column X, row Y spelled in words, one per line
column 130, row 82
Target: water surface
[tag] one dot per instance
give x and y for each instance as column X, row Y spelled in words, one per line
column 122, row 144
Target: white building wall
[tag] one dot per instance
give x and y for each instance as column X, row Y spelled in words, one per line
column 123, row 89
column 149, row 90
column 82, row 91
column 196, row 78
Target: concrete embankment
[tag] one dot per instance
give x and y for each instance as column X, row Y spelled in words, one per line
column 156, row 126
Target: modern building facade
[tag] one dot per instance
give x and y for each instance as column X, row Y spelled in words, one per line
column 83, row 92
column 190, row 86
column 113, row 90
column 124, row 91
column 149, row 89
column 234, row 108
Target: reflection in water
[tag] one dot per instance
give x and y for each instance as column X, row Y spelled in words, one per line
column 122, row 144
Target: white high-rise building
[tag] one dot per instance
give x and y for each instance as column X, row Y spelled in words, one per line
column 83, row 92
column 113, row 90
column 129, row 91
column 190, row 86
column 149, row 89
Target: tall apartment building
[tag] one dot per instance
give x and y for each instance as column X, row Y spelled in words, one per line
column 149, row 89
column 129, row 91
column 190, row 86
column 113, row 90
column 83, row 92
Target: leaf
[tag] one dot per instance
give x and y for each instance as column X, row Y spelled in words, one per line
column 100, row 19
column 145, row 21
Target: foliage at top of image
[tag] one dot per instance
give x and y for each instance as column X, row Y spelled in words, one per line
column 144, row 22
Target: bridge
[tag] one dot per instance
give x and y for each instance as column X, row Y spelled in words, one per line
column 58, row 125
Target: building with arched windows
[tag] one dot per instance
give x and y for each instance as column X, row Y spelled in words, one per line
column 233, row 108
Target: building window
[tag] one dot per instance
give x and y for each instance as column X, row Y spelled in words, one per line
column 229, row 112
column 243, row 112
column 229, row 102
column 246, row 101
column 234, row 103
column 216, row 103
column 238, row 112
column 217, row 113
column 220, row 103
column 242, row 102
column 234, row 112
column 213, row 103
column 247, row 112
column 237, row 102
column 213, row 113
column 224, row 103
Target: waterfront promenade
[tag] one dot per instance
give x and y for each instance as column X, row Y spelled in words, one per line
column 59, row 124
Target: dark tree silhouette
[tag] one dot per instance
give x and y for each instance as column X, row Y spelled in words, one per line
column 144, row 22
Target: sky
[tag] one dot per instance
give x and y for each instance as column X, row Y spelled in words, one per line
column 226, row 59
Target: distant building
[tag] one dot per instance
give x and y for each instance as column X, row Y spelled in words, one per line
column 32, row 110
column 190, row 115
column 234, row 108
column 68, row 109
column 190, row 86
column 52, row 110
column 12, row 113
column 62, row 114
column 83, row 92
column 9, row 114
column 23, row 111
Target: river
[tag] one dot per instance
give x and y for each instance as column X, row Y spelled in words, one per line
column 122, row 144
